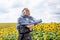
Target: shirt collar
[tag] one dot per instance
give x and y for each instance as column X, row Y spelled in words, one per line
column 24, row 15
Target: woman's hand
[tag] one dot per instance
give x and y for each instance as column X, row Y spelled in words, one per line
column 30, row 26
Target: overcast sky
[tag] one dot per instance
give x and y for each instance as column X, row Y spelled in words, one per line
column 47, row 10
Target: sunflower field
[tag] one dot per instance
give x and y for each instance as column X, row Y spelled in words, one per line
column 41, row 31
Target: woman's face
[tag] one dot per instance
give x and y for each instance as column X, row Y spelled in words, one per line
column 26, row 11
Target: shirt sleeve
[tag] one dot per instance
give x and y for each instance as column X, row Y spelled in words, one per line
column 36, row 21
column 18, row 23
column 21, row 22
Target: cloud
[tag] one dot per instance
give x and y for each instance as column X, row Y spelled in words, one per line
column 5, row 5
column 47, row 10
column 3, row 10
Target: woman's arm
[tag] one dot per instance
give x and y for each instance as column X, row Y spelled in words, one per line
column 18, row 24
column 30, row 26
column 36, row 21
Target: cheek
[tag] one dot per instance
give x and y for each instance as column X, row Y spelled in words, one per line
column 24, row 11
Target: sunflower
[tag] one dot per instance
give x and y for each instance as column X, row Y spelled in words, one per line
column 35, row 36
column 58, row 27
column 46, row 26
column 1, row 39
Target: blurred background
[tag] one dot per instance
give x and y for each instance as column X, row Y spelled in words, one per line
column 47, row 10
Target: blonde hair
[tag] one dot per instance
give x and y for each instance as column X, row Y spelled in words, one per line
column 27, row 10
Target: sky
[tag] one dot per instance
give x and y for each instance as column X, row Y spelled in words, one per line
column 47, row 10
